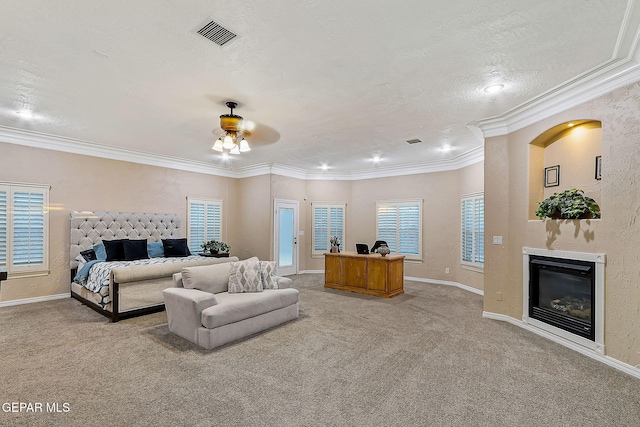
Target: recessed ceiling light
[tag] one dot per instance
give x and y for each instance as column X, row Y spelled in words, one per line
column 446, row 148
column 225, row 156
column 494, row 88
column 324, row 167
column 376, row 158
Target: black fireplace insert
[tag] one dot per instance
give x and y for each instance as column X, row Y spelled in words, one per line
column 562, row 294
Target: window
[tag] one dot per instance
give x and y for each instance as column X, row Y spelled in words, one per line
column 205, row 222
column 24, row 228
column 328, row 220
column 399, row 223
column 473, row 230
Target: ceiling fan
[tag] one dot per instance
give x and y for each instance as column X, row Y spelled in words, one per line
column 234, row 133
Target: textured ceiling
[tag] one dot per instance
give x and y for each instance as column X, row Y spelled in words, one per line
column 325, row 81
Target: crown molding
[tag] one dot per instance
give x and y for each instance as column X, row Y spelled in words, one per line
column 466, row 159
column 86, row 148
column 621, row 70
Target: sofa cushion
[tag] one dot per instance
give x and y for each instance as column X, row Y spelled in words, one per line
column 267, row 274
column 209, row 278
column 233, row 308
column 245, row 277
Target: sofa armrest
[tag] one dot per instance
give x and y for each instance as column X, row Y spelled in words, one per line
column 283, row 282
column 184, row 308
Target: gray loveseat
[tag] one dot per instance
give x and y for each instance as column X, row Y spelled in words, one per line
column 201, row 310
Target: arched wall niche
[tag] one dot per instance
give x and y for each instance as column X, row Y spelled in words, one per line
column 573, row 147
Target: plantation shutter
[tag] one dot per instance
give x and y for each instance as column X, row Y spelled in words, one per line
column 328, row 221
column 205, row 222
column 24, row 228
column 399, row 223
column 472, row 244
column 3, row 228
column 28, row 228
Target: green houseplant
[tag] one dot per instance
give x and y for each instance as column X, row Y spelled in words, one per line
column 215, row 246
column 569, row 204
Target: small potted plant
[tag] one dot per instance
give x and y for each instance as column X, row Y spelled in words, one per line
column 215, row 247
column 569, row 204
column 335, row 244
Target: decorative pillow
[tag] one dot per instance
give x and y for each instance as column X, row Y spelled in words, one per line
column 175, row 247
column 208, row 278
column 114, row 249
column 267, row 273
column 155, row 249
column 135, row 249
column 101, row 252
column 245, row 277
column 89, row 255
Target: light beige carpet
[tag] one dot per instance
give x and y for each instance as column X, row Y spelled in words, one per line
column 425, row 358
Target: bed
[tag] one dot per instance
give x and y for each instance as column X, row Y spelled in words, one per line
column 125, row 288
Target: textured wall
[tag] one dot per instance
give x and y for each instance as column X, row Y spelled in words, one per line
column 91, row 183
column 616, row 234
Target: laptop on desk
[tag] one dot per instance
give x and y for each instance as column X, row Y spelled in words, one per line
column 362, row 248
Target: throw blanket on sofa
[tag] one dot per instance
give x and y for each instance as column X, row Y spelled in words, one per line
column 96, row 274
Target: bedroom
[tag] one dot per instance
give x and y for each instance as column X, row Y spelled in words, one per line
column 80, row 181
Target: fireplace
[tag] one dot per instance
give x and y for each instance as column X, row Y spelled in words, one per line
column 561, row 293
column 564, row 295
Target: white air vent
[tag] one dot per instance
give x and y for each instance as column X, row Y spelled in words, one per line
column 414, row 141
column 216, row 32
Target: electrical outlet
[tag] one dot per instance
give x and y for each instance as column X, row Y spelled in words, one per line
column 498, row 296
column 497, row 240
column 446, row 270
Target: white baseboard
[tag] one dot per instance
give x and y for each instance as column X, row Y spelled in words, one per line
column 311, row 272
column 35, row 299
column 614, row 363
column 445, row 282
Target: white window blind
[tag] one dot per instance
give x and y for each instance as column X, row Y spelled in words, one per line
column 205, row 222
column 24, row 227
column 472, row 245
column 399, row 223
column 328, row 220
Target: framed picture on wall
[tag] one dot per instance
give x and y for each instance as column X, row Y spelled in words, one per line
column 552, row 176
column 598, row 167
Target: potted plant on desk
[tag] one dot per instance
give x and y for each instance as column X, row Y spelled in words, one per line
column 335, row 244
column 216, row 248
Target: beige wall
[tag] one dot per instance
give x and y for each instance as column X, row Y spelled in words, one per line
column 90, row 183
column 506, row 212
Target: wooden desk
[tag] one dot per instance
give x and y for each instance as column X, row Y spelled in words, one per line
column 367, row 274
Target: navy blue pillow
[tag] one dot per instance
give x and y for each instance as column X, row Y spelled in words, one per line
column 175, row 247
column 114, row 249
column 89, row 255
column 135, row 249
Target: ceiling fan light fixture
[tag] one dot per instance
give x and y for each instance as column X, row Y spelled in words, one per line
column 233, row 138
column 228, row 142
column 217, row 146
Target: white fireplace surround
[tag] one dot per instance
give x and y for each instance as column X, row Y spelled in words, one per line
column 560, row 334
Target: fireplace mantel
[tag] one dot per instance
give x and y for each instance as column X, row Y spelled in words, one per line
column 598, row 322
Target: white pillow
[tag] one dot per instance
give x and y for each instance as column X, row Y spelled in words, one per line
column 245, row 277
column 209, row 278
column 267, row 274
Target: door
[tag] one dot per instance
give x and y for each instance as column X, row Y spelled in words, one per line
column 285, row 229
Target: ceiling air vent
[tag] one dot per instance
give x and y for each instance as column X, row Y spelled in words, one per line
column 216, row 33
column 414, row 141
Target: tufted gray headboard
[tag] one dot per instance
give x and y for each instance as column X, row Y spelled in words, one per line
column 89, row 228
